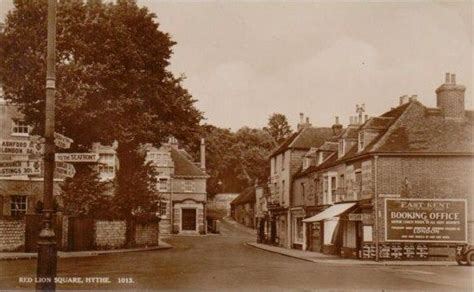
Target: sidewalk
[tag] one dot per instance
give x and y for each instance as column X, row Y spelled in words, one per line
column 317, row 257
column 74, row 254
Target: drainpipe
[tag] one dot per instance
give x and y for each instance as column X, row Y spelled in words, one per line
column 376, row 210
column 171, row 204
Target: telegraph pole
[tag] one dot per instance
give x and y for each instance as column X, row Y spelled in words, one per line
column 47, row 251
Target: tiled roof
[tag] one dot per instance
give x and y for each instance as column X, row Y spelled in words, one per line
column 247, row 196
column 305, row 139
column 416, row 131
column 331, row 159
column 184, row 166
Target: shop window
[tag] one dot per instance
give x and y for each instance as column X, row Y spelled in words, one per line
column 18, row 206
column 20, row 128
column 298, row 229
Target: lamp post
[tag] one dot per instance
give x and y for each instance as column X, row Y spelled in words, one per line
column 47, row 253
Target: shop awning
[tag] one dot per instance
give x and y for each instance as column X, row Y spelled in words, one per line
column 333, row 211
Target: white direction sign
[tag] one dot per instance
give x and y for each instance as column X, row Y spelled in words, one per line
column 62, row 141
column 77, row 157
column 65, row 169
column 11, row 167
column 17, row 147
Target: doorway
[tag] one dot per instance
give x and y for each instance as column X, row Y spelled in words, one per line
column 188, row 220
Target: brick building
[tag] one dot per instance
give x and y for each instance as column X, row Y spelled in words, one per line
column 411, row 153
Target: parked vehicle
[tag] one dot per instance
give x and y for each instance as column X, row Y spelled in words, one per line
column 465, row 255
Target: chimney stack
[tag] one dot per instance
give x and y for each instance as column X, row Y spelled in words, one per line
column 413, row 98
column 203, row 154
column 450, row 98
column 366, row 118
column 302, row 124
column 336, row 128
column 403, row 99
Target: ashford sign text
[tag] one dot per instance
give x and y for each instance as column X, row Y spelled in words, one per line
column 426, row 220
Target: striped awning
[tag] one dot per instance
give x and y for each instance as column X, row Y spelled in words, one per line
column 333, row 211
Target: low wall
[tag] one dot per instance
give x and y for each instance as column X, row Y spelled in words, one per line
column 12, row 234
column 109, row 234
column 146, row 234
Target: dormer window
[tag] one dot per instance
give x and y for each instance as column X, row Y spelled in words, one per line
column 341, row 148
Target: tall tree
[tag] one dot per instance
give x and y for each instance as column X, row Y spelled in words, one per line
column 278, row 127
column 112, row 76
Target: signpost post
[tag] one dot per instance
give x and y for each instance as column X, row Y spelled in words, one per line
column 47, row 250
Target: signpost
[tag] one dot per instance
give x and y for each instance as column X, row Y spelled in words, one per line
column 426, row 220
column 17, row 147
column 77, row 157
column 65, row 169
column 10, row 167
column 62, row 141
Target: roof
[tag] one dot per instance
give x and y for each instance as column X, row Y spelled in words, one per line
column 304, row 139
column 411, row 128
column 247, row 196
column 183, row 166
column 417, row 131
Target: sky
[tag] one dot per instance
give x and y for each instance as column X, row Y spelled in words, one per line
column 246, row 60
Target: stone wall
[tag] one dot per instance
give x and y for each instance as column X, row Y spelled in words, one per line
column 12, row 234
column 146, row 234
column 109, row 234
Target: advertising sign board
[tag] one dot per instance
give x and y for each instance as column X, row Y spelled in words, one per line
column 426, row 220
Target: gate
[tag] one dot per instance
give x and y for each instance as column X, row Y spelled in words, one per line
column 33, row 225
column 80, row 234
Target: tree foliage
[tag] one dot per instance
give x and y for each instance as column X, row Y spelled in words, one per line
column 278, row 127
column 235, row 160
column 112, row 82
column 85, row 194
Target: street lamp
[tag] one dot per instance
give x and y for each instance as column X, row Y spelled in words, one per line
column 47, row 253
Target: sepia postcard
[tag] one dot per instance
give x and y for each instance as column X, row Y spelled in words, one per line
column 236, row 145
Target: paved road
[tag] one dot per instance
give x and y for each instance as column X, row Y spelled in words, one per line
column 225, row 262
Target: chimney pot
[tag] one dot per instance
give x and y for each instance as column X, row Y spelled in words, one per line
column 453, row 78
column 337, row 120
column 301, row 118
column 403, row 99
column 447, row 78
column 414, row 97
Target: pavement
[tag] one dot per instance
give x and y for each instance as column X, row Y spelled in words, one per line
column 317, row 257
column 225, row 262
column 73, row 254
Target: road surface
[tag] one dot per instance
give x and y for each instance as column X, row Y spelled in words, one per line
column 224, row 262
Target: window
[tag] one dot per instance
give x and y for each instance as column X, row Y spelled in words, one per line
column 283, row 189
column 163, row 208
column 162, row 184
column 302, row 190
column 188, row 185
column 333, row 184
column 340, row 150
column 160, row 159
column 358, row 180
column 361, row 141
column 20, row 128
column 341, row 181
column 18, row 206
column 106, row 169
column 283, row 161
column 326, row 190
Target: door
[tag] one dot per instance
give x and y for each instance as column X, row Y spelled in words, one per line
column 81, row 233
column 188, row 219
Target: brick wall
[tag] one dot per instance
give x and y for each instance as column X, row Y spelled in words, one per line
column 146, row 234
column 12, row 234
column 426, row 177
column 109, row 234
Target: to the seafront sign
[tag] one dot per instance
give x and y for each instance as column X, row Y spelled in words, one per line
column 426, row 220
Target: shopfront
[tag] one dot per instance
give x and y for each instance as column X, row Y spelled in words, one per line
column 327, row 237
